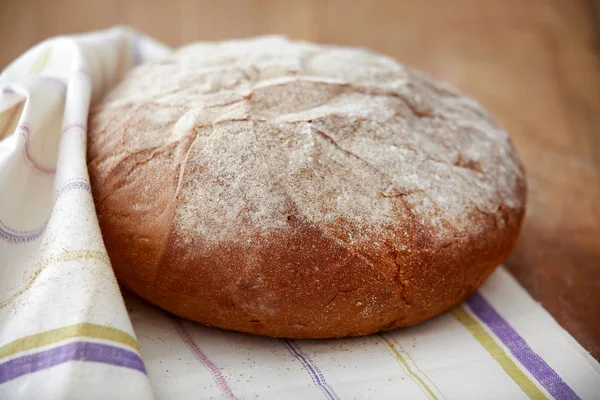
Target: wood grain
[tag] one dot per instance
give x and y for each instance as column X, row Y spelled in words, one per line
column 533, row 64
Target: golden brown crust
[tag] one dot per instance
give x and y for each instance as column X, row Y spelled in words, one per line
column 264, row 187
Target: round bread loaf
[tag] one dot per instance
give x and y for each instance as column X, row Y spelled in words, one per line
column 298, row 190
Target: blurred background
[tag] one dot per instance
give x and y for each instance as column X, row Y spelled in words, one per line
column 534, row 64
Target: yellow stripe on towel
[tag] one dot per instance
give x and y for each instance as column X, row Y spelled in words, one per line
column 406, row 367
column 83, row 329
column 488, row 343
column 76, row 255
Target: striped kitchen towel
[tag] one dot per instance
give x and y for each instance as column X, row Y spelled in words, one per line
column 64, row 328
column 67, row 332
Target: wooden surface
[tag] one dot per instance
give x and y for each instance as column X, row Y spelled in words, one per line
column 533, row 64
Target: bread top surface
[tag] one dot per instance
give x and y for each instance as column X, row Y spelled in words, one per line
column 238, row 146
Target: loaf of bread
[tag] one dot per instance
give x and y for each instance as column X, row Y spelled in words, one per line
column 296, row 190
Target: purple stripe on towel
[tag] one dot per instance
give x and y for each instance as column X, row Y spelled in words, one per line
column 16, row 237
column 82, row 128
column 203, row 358
column 77, row 351
column 25, row 131
column 315, row 373
column 10, row 235
column 536, row 366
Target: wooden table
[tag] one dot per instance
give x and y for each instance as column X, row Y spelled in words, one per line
column 533, row 64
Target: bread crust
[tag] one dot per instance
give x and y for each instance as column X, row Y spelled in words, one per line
column 294, row 190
